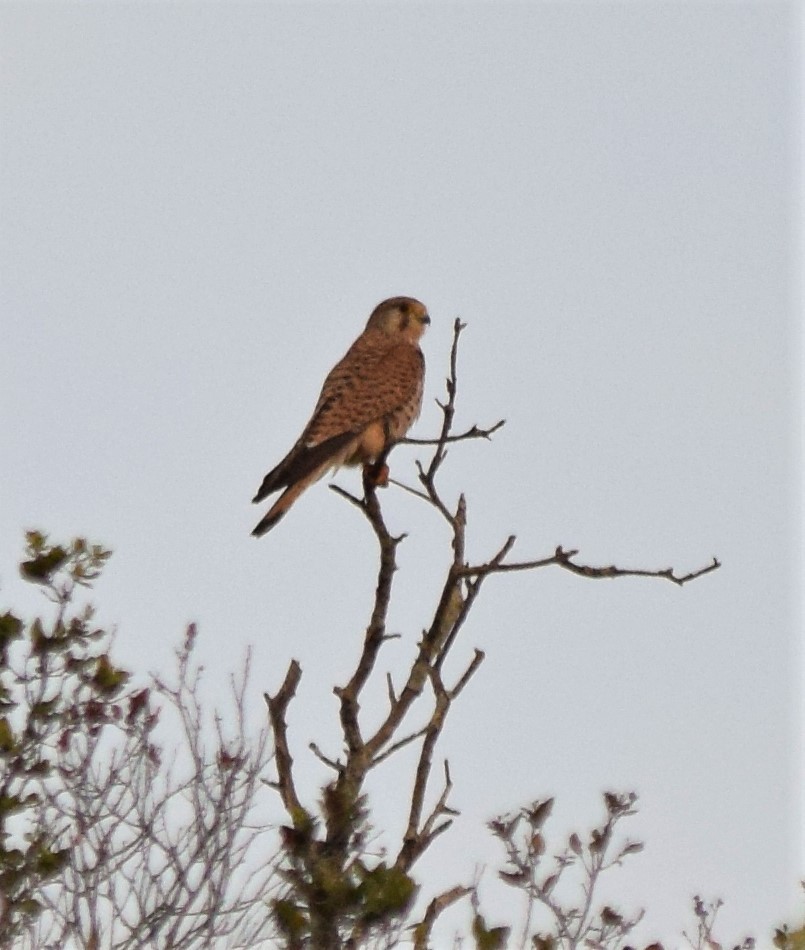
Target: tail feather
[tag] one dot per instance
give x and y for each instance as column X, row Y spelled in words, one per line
column 300, row 462
column 281, row 506
column 297, row 474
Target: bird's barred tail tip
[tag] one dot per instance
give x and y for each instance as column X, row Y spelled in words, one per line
column 266, row 524
column 281, row 506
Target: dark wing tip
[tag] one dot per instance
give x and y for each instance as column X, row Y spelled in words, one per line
column 300, row 462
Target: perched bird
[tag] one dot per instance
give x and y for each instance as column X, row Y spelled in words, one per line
column 368, row 402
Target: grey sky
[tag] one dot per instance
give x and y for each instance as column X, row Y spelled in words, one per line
column 201, row 203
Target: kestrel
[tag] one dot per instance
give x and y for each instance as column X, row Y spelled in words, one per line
column 368, row 402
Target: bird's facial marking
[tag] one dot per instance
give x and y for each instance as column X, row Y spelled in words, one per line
column 403, row 315
column 416, row 320
column 418, row 314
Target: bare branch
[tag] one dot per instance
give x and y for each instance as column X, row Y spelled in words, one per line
column 418, row 837
column 448, row 408
column 352, row 499
column 333, row 764
column 477, row 659
column 563, row 559
column 373, row 638
column 277, row 708
column 438, row 905
column 390, row 688
column 474, row 432
column 399, row 744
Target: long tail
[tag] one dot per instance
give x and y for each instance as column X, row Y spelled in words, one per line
column 283, row 503
column 301, row 461
column 298, row 471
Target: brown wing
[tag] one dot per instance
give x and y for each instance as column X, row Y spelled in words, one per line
column 372, row 383
column 300, row 462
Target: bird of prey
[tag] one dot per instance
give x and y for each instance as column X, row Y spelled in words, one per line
column 368, row 402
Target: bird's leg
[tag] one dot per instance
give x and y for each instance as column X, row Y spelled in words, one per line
column 376, row 474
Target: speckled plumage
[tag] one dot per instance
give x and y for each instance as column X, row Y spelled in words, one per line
column 367, row 403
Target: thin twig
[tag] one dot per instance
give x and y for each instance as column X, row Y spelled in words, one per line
column 334, row 764
column 399, row 744
column 472, row 433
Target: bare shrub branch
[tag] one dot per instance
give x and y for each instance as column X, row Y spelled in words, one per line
column 127, row 842
column 577, row 923
column 703, row 938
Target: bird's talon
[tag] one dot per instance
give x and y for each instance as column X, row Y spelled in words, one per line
column 381, row 477
column 375, row 475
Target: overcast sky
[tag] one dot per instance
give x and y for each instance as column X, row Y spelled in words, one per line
column 201, row 203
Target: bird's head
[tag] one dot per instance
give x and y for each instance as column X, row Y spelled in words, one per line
column 400, row 316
